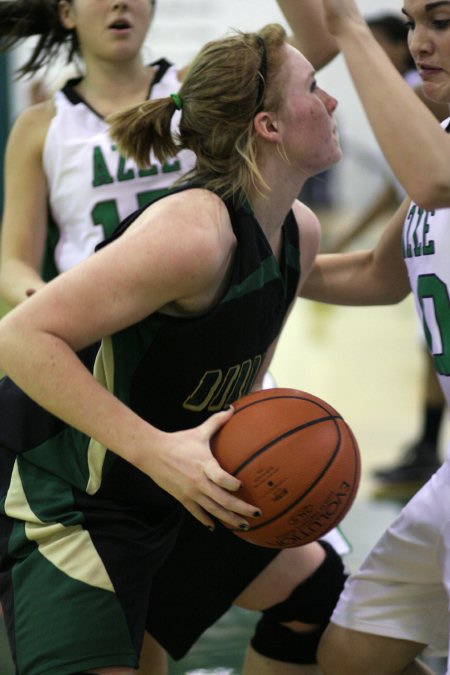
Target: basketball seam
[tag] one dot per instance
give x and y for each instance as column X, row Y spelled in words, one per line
column 329, row 409
column 281, row 437
column 310, row 487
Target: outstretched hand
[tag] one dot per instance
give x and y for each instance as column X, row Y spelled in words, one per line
column 187, row 469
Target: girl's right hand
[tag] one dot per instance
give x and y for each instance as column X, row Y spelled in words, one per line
column 187, row 469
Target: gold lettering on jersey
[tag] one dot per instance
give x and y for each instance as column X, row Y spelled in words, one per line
column 217, row 388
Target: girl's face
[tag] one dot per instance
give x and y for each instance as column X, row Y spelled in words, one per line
column 306, row 120
column 429, row 43
column 108, row 29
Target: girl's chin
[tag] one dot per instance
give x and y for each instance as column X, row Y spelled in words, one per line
column 435, row 93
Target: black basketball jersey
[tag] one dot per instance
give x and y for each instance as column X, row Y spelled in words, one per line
column 173, row 371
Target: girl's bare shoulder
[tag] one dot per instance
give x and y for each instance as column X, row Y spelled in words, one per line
column 32, row 124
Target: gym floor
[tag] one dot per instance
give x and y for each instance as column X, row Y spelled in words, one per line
column 368, row 363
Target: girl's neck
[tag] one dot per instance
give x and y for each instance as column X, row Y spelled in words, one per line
column 271, row 208
column 111, row 87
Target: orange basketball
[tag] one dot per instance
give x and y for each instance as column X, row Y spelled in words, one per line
column 298, row 461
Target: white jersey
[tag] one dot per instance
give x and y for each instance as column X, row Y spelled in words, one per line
column 91, row 186
column 426, row 249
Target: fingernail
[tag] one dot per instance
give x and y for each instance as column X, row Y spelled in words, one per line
column 211, row 528
column 257, row 514
column 244, row 526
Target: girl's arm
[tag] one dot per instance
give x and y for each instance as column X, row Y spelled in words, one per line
column 24, row 224
column 414, row 144
column 115, row 288
column 310, row 33
column 376, row 277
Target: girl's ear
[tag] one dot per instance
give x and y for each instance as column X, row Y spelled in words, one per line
column 65, row 12
column 266, row 126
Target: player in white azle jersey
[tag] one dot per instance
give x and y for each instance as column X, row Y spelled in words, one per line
column 79, row 158
column 78, row 186
column 397, row 603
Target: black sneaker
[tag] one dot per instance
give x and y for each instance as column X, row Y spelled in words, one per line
column 418, row 464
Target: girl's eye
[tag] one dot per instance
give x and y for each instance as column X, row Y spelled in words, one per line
column 437, row 24
column 441, row 24
column 313, row 86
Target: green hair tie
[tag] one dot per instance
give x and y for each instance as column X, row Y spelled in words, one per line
column 176, row 98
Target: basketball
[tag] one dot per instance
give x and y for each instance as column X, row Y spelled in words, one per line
column 298, row 462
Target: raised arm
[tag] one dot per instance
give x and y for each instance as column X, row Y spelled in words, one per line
column 25, row 214
column 415, row 146
column 310, row 33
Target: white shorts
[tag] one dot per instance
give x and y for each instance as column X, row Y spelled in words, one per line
column 402, row 589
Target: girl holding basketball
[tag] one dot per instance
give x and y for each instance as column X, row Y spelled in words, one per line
column 397, row 603
column 79, row 187
column 116, row 436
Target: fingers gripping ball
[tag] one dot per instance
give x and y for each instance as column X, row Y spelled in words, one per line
column 298, row 461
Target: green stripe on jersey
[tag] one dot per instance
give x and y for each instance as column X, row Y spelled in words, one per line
column 267, row 271
column 73, row 626
column 293, row 257
column 53, row 524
